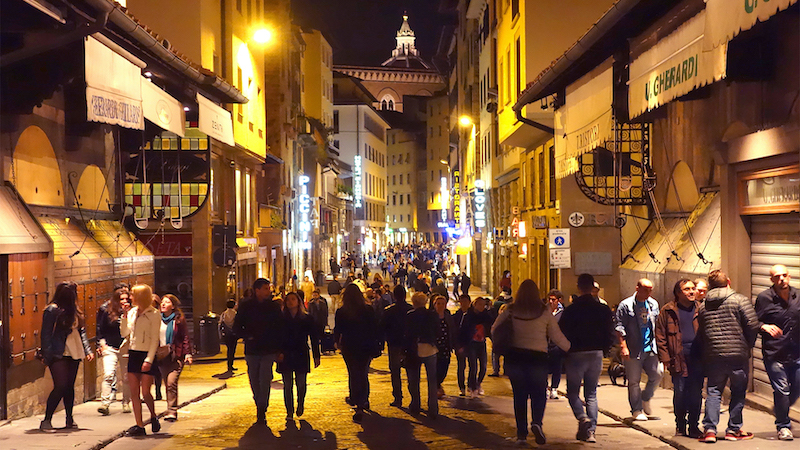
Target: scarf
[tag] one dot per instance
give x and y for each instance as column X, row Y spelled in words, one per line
column 169, row 321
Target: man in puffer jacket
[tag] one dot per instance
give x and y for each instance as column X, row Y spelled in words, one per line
column 728, row 325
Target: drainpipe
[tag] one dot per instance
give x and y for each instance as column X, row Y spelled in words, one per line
column 527, row 121
column 80, row 33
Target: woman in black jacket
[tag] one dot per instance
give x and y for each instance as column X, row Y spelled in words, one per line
column 356, row 336
column 294, row 362
column 421, row 329
column 64, row 345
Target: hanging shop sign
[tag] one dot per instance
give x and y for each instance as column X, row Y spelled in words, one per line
column 304, row 209
column 357, row 194
column 162, row 109
column 479, row 203
column 215, row 121
column 585, row 121
column 725, row 19
column 457, row 197
column 675, row 66
column 113, row 87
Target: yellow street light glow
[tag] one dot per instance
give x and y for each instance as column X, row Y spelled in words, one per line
column 465, row 121
column 262, row 36
column 444, row 162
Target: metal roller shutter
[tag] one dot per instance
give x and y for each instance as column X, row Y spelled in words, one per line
column 774, row 239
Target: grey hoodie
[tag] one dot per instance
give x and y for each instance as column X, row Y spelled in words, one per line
column 728, row 325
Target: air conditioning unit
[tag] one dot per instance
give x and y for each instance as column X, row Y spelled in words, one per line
column 491, row 107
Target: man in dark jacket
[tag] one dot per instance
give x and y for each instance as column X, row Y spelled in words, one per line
column 393, row 328
column 589, row 326
column 728, row 325
column 334, row 292
column 259, row 323
column 466, row 282
column 318, row 310
column 420, row 285
column 779, row 306
column 422, row 325
column 676, row 328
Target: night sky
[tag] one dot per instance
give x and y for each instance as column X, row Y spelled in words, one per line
column 362, row 32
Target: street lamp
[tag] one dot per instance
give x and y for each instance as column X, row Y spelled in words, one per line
column 262, row 35
column 465, row 121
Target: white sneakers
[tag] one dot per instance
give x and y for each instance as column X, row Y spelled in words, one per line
column 785, row 434
column 554, row 394
column 639, row 416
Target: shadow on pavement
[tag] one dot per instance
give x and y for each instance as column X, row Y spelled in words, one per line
column 305, row 437
column 381, row 432
column 472, row 433
column 467, row 404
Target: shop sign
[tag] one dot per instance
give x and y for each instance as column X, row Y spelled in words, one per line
column 457, row 196
column 725, row 18
column 675, row 66
column 770, row 191
column 357, row 182
column 215, row 121
column 175, row 245
column 515, row 227
column 579, row 219
column 479, row 202
column 113, row 87
column 304, row 210
column 445, row 199
column 539, row 222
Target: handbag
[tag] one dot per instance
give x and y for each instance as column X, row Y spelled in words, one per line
column 39, row 353
column 163, row 352
column 503, row 336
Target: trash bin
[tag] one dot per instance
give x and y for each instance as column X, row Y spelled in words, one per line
column 319, row 279
column 209, row 334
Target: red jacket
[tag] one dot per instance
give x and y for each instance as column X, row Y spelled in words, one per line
column 181, row 342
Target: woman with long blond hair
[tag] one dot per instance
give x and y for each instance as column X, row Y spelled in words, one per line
column 142, row 324
column 176, row 345
column 64, row 345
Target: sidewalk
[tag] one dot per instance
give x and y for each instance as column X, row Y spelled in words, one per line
column 613, row 402
column 95, row 431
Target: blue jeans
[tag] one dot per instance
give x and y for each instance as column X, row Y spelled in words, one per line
column 259, row 370
column 718, row 373
column 687, row 398
column 584, row 367
column 476, row 359
column 647, row 362
column 528, row 381
column 413, row 369
column 785, row 380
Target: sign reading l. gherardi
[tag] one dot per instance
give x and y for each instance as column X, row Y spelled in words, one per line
column 674, row 66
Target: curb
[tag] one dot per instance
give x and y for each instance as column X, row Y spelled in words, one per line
column 637, row 427
column 104, row 443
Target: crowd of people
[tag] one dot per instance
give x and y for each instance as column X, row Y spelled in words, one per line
column 705, row 334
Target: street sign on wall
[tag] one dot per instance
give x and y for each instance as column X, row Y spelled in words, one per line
column 559, row 237
column 560, row 258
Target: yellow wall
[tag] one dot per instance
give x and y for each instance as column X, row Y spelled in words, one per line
column 317, row 78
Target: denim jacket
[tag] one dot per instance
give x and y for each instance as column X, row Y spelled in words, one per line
column 54, row 338
column 628, row 327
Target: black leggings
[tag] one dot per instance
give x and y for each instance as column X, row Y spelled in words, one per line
column 64, row 371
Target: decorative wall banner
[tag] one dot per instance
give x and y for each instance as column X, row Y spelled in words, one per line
column 162, row 109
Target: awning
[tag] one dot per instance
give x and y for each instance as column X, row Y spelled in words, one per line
column 675, row 66
column 215, row 121
column 113, row 87
column 725, row 19
column 585, row 121
column 19, row 230
column 162, row 109
column 704, row 223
